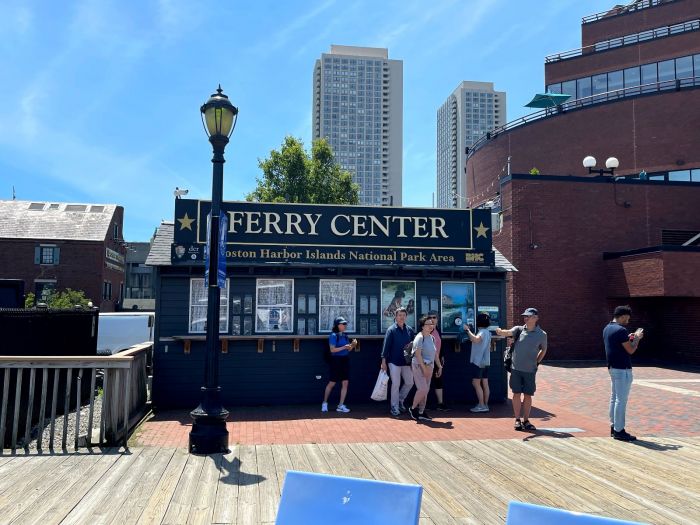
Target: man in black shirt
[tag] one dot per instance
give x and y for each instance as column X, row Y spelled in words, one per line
column 619, row 346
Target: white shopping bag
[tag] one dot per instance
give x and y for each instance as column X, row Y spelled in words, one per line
column 380, row 387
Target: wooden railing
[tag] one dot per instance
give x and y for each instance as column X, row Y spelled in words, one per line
column 124, row 396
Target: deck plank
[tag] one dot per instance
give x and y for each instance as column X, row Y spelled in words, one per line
column 204, row 500
column 226, row 505
column 248, row 492
column 183, row 496
column 269, row 489
column 159, row 500
column 136, row 503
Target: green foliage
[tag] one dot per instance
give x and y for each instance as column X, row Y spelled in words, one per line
column 534, row 171
column 64, row 300
column 292, row 175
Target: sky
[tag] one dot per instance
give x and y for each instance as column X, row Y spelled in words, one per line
column 99, row 99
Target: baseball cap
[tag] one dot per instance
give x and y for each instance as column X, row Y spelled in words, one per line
column 530, row 311
column 340, row 320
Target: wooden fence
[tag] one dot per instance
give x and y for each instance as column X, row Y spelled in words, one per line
column 124, row 396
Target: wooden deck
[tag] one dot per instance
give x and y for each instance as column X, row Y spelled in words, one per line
column 653, row 481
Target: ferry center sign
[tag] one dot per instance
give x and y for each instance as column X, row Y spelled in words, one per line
column 336, row 234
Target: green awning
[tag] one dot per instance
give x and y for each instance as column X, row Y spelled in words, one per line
column 547, row 100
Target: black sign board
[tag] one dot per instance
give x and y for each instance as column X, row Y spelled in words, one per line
column 339, row 235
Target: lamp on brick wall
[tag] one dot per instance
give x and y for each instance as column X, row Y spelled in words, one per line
column 611, row 164
column 209, row 434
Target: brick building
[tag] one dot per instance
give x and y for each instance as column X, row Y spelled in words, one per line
column 584, row 242
column 53, row 246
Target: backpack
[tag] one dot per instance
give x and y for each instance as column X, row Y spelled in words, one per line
column 408, row 348
column 508, row 354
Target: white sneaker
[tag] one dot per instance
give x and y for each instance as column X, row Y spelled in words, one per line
column 343, row 409
column 324, row 407
column 482, row 408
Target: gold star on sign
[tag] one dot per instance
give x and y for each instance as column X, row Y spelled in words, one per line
column 186, row 222
column 481, row 230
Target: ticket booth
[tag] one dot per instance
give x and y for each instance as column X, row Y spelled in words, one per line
column 291, row 269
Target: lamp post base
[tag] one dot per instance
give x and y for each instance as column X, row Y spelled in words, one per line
column 209, row 434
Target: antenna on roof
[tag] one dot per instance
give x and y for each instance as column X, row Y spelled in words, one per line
column 14, row 197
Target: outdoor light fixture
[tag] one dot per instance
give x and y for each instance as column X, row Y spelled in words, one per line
column 209, row 434
column 611, row 164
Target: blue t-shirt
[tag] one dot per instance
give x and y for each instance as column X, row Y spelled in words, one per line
column 337, row 340
column 614, row 335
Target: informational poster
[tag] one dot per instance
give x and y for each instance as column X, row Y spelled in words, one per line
column 336, row 299
column 494, row 315
column 273, row 312
column 458, row 304
column 396, row 294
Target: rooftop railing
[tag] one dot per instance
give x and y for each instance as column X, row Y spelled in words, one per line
column 637, row 5
column 643, row 36
column 617, row 94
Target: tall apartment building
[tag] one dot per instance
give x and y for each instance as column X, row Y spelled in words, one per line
column 358, row 108
column 472, row 110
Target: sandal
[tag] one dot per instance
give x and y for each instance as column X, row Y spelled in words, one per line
column 528, row 426
column 518, row 425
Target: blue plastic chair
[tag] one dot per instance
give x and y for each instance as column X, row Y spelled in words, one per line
column 311, row 499
column 525, row 513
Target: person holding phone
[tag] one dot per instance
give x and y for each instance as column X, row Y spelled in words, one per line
column 340, row 348
column 619, row 347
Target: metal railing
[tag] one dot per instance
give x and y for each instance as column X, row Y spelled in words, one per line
column 644, row 89
column 636, row 5
column 613, row 43
column 124, row 396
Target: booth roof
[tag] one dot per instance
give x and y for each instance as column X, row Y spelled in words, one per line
column 160, row 249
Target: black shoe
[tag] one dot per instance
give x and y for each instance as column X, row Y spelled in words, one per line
column 612, row 431
column 412, row 413
column 624, row 436
column 518, row 425
column 423, row 416
column 442, row 407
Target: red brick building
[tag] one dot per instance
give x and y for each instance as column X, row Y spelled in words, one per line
column 55, row 246
column 585, row 242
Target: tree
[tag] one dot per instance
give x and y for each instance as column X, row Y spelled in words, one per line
column 64, row 300
column 292, row 175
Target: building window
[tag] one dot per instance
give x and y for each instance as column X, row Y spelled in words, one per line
column 274, row 300
column 43, row 290
column 337, row 299
column 106, row 290
column 199, row 295
column 46, row 254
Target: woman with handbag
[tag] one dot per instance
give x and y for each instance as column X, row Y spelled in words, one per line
column 339, row 362
column 425, row 357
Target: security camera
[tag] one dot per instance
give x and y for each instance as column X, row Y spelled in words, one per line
column 179, row 193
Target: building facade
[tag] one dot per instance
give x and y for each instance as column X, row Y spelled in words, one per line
column 584, row 242
column 472, row 110
column 52, row 246
column 358, row 108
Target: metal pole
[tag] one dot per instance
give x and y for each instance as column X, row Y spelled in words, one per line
column 209, row 434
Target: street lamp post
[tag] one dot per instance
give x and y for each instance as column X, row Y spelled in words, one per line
column 611, row 164
column 209, row 434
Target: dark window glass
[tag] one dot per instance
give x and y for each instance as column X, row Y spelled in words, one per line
column 600, row 84
column 46, row 255
column 696, row 62
column 583, row 87
column 632, row 77
column 569, row 88
column 667, row 70
column 615, row 80
column 684, row 67
column 554, row 88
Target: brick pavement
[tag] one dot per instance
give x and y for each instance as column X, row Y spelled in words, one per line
column 568, row 396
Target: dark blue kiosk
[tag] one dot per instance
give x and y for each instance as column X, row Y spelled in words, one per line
column 291, row 269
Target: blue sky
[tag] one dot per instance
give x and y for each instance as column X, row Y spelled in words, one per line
column 100, row 99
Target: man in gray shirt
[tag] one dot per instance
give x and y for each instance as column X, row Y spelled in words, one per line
column 530, row 349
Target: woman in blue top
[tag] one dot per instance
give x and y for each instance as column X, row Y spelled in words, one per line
column 340, row 348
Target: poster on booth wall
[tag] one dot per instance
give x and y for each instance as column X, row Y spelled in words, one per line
column 493, row 316
column 458, row 303
column 396, row 294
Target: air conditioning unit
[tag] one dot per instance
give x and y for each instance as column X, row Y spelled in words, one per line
column 496, row 222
